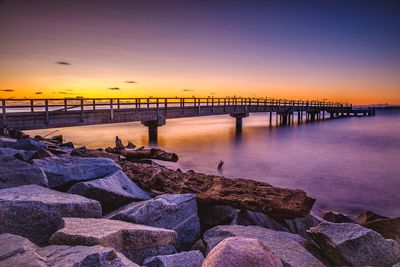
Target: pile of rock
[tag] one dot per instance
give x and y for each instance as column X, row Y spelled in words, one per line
column 66, row 206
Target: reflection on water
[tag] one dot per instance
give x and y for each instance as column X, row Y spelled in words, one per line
column 348, row 165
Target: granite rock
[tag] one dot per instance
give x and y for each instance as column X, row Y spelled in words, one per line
column 36, row 212
column 111, row 191
column 170, row 211
column 240, row 252
column 135, row 241
column 14, row 172
column 192, row 258
column 66, row 171
column 353, row 245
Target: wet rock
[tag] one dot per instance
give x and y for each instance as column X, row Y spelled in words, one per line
column 388, row 227
column 213, row 215
column 245, row 217
column 175, row 212
column 209, row 189
column 36, row 212
column 58, row 139
column 239, row 252
column 17, row 134
column 133, row 240
column 6, row 142
column 200, row 246
column 29, row 144
column 68, row 144
column 42, row 153
column 353, row 245
column 94, row 256
column 192, row 258
column 14, row 172
column 300, row 225
column 336, row 217
column 18, row 251
column 64, row 172
column 24, row 155
column 80, row 152
column 111, row 191
column 290, row 248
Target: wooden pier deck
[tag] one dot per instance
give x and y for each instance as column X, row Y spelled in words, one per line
column 29, row 114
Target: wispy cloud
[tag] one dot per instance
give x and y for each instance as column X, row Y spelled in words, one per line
column 131, row 82
column 38, row 93
column 114, row 88
column 63, row 63
column 7, row 90
column 187, row 90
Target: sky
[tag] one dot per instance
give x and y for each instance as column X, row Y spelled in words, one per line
column 347, row 51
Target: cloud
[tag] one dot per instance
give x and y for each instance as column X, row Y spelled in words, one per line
column 187, row 90
column 7, row 90
column 63, row 63
column 130, row 82
column 212, row 93
column 38, row 93
column 114, row 88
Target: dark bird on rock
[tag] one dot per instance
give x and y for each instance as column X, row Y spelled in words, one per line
column 220, row 164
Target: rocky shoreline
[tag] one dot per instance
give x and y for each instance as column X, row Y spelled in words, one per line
column 67, row 206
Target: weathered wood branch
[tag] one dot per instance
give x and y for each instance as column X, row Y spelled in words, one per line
column 280, row 203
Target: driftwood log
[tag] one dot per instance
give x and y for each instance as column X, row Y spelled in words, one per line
column 145, row 153
column 280, row 203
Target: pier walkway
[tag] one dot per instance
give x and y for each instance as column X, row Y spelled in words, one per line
column 30, row 114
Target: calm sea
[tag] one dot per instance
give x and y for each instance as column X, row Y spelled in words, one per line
column 349, row 165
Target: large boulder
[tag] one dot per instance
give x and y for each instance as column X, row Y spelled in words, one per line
column 290, row 248
column 19, row 251
column 14, row 172
column 353, row 245
column 22, row 144
column 175, row 212
column 388, row 227
column 239, row 252
column 192, row 258
column 111, row 191
column 64, row 172
column 94, row 256
column 279, row 203
column 36, row 212
column 135, row 241
column 213, row 215
column 246, row 217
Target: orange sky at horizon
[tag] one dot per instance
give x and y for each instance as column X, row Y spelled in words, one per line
column 190, row 49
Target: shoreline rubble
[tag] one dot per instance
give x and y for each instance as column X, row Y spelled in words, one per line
column 67, row 206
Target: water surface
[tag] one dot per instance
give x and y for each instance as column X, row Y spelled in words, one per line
column 348, row 165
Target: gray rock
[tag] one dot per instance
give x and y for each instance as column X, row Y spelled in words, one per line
column 245, row 217
column 300, row 225
column 64, row 172
column 7, row 142
column 28, row 144
column 290, row 248
column 354, row 245
column 18, row 251
column 36, row 212
column 6, row 151
column 14, row 172
column 213, row 215
column 95, row 256
column 192, row 258
column 175, row 212
column 135, row 241
column 336, row 217
column 240, row 252
column 111, row 191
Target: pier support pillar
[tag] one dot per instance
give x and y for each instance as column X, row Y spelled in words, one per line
column 312, row 115
column 239, row 119
column 285, row 117
column 152, row 126
column 270, row 119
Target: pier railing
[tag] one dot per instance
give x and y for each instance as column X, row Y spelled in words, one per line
column 47, row 105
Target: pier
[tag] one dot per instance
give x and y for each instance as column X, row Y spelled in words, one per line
column 30, row 114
